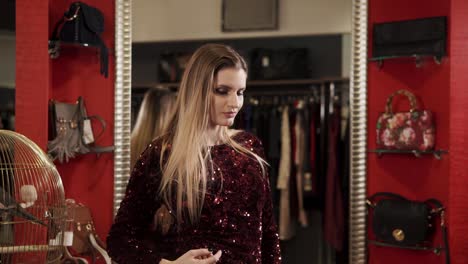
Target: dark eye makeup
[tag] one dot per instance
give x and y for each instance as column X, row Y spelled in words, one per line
column 221, row 91
column 225, row 91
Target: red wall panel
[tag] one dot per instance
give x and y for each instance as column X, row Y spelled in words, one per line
column 415, row 178
column 458, row 180
column 32, row 91
column 32, row 70
column 88, row 179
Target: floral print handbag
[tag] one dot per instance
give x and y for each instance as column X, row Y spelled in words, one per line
column 413, row 130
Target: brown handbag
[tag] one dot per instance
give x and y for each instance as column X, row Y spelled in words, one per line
column 411, row 130
column 67, row 258
column 85, row 240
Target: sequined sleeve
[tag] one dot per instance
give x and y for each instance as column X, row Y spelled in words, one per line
column 126, row 241
column 271, row 253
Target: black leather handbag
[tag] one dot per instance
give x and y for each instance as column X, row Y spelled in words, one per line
column 403, row 223
column 81, row 24
column 287, row 63
column 425, row 36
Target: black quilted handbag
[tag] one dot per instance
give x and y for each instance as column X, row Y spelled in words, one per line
column 402, row 223
column 81, row 24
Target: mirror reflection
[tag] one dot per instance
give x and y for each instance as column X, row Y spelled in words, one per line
column 296, row 102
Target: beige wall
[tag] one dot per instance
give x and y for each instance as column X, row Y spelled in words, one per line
column 7, row 60
column 164, row 20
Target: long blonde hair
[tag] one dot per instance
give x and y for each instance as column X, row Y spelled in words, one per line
column 188, row 160
column 154, row 113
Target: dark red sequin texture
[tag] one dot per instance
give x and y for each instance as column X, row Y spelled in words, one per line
column 236, row 218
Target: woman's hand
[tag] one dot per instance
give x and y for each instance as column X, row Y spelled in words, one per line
column 198, row 256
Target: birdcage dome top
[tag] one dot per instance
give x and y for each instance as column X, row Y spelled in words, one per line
column 32, row 201
column 17, row 151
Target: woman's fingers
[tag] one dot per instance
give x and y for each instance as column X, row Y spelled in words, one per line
column 210, row 260
column 196, row 253
column 205, row 256
column 218, row 254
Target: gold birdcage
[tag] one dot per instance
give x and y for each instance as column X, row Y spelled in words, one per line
column 32, row 203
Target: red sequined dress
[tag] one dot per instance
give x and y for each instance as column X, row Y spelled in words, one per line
column 236, row 218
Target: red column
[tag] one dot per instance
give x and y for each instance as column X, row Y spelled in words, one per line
column 458, row 173
column 32, row 69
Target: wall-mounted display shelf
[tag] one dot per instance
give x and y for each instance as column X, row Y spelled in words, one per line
column 418, row 153
column 418, row 58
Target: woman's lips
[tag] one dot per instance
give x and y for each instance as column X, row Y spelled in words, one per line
column 229, row 114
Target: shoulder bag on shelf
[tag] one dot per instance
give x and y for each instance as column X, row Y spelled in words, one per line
column 402, row 223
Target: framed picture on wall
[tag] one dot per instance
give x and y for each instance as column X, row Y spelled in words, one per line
column 247, row 15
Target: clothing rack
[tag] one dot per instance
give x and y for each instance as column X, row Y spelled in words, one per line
column 302, row 85
column 325, row 89
column 297, row 88
column 327, row 94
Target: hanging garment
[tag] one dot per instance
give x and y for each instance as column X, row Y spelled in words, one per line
column 311, row 172
column 285, row 162
column 293, row 201
column 274, row 129
column 240, row 120
column 313, row 148
column 343, row 256
column 307, row 184
column 334, row 210
column 299, row 163
column 248, row 115
column 286, row 229
column 274, row 153
column 255, row 120
column 262, row 119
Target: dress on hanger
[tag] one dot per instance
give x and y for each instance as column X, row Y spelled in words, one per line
column 334, row 208
column 286, row 229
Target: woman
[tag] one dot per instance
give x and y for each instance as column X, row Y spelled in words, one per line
column 154, row 112
column 200, row 193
